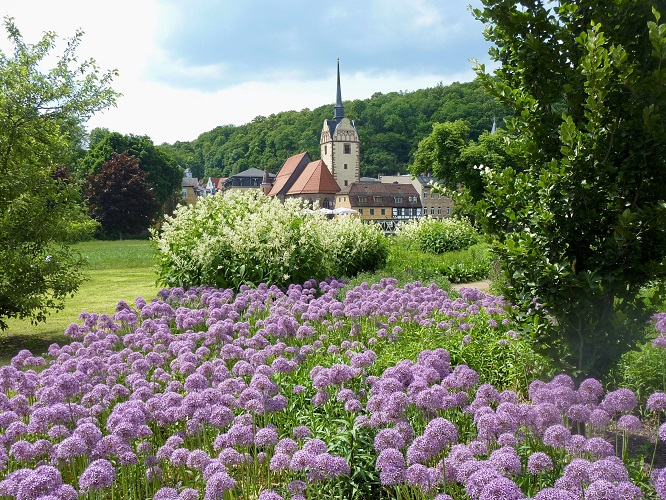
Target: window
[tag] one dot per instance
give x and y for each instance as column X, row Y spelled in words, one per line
column 448, row 210
column 347, row 149
column 372, row 211
column 325, row 149
column 439, row 196
column 346, row 182
column 432, row 196
column 360, row 211
column 377, row 199
column 425, row 210
column 383, row 211
column 432, row 210
column 398, row 199
column 362, row 199
column 345, row 167
column 439, row 210
column 183, row 193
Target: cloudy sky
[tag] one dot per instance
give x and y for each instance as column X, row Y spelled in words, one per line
column 187, row 66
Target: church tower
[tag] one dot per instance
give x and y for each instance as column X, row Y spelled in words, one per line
column 339, row 144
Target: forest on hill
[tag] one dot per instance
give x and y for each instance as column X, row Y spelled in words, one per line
column 390, row 127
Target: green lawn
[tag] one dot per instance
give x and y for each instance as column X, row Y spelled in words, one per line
column 118, row 270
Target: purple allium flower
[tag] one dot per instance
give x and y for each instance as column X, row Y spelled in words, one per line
column 539, row 462
column 620, row 401
column 662, row 432
column 280, row 461
column 269, row 495
column 590, row 390
column 297, row 487
column 601, row 490
column 99, row 474
column 556, row 436
column 501, row 488
column 217, row 484
column 659, row 482
column 555, row 494
column 579, row 413
column 630, row 423
column 266, row 437
column 332, row 466
column 301, row 432
column 198, row 459
column 576, row 444
column 391, row 458
column 419, row 475
column 388, row 438
column 315, row 446
column 287, row 446
column 505, row 460
column 441, row 432
column 166, row 493
column 302, row 459
column 478, row 480
column 320, row 398
column 656, row 402
column 44, row 480
column 611, row 468
column 599, row 418
column 298, row 389
column 599, row 447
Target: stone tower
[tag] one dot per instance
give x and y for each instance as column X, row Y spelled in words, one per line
column 340, row 148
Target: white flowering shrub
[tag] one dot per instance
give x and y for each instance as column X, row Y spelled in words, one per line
column 354, row 246
column 439, row 235
column 244, row 237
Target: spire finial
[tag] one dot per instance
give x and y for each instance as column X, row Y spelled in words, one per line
column 339, row 109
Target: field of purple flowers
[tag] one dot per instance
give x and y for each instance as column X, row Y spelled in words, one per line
column 316, row 391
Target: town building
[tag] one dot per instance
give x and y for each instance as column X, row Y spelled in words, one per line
column 381, row 202
column 340, row 145
column 301, row 177
column 434, row 205
column 252, row 178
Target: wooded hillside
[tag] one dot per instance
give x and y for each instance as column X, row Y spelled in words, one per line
column 390, row 127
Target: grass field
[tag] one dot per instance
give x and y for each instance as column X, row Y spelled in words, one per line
column 118, row 270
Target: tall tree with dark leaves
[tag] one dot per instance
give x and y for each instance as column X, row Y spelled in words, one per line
column 579, row 221
column 120, row 198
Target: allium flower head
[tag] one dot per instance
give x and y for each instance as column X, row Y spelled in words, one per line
column 501, row 488
column 539, row 462
column 99, row 474
column 620, row 401
column 656, row 402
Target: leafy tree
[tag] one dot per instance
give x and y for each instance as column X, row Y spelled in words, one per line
column 164, row 174
column 579, row 221
column 450, row 155
column 40, row 209
column 120, row 198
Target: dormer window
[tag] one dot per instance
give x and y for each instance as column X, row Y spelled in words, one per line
column 398, row 199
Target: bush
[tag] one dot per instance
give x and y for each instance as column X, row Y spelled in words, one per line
column 246, row 238
column 463, row 266
column 354, row 246
column 439, row 235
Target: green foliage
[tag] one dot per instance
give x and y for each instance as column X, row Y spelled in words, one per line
column 390, row 126
column 354, row 247
column 439, row 235
column 450, row 154
column 164, row 174
column 642, row 370
column 40, row 206
column 120, row 198
column 246, row 238
column 464, row 266
column 578, row 220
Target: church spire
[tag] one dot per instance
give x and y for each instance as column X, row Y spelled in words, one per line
column 339, row 109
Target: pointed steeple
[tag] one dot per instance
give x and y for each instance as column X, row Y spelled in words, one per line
column 339, row 109
column 494, row 128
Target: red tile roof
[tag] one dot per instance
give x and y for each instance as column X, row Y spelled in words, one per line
column 286, row 172
column 316, row 178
